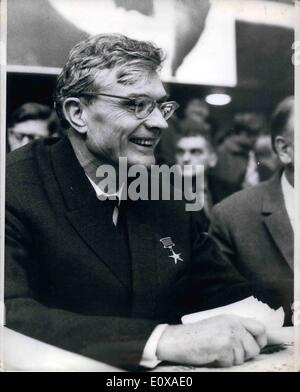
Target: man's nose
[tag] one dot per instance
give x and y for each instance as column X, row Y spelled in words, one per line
column 186, row 159
column 156, row 119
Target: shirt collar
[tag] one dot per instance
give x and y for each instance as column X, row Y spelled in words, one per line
column 101, row 195
column 287, row 188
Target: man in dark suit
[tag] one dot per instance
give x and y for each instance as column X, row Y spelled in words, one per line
column 107, row 278
column 254, row 227
column 194, row 146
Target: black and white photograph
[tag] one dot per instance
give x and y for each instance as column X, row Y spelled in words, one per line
column 149, row 186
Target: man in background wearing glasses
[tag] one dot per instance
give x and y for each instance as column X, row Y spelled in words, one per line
column 31, row 121
column 106, row 278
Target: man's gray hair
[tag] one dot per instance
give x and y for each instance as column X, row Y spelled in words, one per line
column 99, row 52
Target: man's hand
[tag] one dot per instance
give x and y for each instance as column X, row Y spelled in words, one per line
column 221, row 340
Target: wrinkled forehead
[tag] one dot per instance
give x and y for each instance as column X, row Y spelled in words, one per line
column 129, row 81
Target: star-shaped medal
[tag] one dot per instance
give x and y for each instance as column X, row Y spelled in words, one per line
column 169, row 244
column 176, row 256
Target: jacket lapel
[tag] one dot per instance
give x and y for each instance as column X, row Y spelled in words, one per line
column 277, row 221
column 90, row 217
column 141, row 219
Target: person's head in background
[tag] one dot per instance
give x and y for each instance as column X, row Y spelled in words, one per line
column 196, row 110
column 264, row 152
column 247, row 127
column 282, row 135
column 194, row 146
column 31, row 121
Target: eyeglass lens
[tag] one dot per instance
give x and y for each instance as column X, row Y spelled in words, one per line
column 144, row 107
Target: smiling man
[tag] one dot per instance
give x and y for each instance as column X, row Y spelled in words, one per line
column 106, row 279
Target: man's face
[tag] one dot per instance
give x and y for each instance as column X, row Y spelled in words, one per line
column 194, row 150
column 290, row 139
column 26, row 131
column 114, row 131
column 284, row 145
column 264, row 152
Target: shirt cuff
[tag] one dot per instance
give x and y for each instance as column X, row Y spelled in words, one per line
column 149, row 358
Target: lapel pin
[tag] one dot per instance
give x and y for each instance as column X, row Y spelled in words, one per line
column 169, row 244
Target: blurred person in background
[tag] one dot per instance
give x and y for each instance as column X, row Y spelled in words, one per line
column 194, row 146
column 254, row 227
column 29, row 122
column 196, row 110
column 196, row 114
column 237, row 163
column 265, row 154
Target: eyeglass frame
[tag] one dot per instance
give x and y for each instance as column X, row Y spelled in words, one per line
column 155, row 103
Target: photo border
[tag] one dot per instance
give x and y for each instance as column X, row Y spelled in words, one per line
column 3, row 80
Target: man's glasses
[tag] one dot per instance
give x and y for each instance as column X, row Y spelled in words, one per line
column 144, row 106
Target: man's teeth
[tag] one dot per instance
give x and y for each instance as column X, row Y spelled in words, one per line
column 143, row 142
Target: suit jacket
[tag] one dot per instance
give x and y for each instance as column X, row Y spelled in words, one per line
column 254, row 233
column 73, row 281
column 216, row 190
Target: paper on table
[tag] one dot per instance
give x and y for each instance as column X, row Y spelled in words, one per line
column 249, row 307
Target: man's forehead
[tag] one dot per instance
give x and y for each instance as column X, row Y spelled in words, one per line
column 192, row 142
column 32, row 127
column 143, row 83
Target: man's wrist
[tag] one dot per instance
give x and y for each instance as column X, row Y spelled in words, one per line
column 149, row 357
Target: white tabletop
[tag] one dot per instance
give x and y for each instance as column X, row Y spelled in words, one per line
column 281, row 361
column 22, row 353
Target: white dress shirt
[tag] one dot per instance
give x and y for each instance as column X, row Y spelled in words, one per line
column 101, row 195
column 288, row 196
column 149, row 358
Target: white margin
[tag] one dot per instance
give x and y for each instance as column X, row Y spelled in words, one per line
column 297, row 198
column 31, row 69
column 3, row 40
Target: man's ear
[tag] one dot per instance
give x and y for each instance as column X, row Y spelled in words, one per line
column 282, row 148
column 73, row 112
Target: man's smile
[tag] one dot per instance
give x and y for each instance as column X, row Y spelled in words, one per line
column 144, row 141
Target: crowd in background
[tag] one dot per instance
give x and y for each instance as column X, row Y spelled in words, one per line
column 233, row 159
